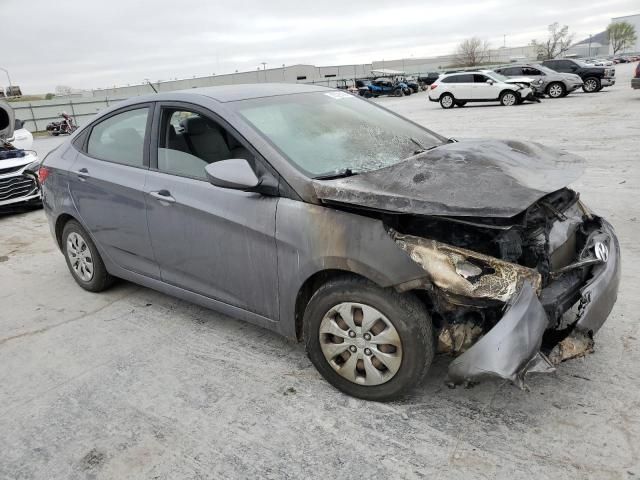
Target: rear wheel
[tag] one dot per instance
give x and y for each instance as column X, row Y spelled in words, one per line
column 83, row 259
column 508, row 98
column 556, row 90
column 591, row 85
column 447, row 100
column 369, row 342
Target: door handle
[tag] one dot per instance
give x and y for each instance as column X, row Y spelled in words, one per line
column 82, row 174
column 163, row 196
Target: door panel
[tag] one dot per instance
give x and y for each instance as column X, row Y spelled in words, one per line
column 109, row 196
column 483, row 90
column 462, row 89
column 214, row 241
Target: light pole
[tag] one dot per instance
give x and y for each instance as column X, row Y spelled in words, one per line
column 264, row 67
column 590, row 45
column 8, row 77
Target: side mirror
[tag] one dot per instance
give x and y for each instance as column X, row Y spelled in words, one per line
column 490, row 82
column 235, row 174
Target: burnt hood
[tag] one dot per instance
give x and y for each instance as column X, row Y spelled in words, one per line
column 474, row 178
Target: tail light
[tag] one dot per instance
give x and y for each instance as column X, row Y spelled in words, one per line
column 638, row 71
column 43, row 174
column 434, row 86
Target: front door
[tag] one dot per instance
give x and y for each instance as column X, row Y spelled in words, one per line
column 107, row 186
column 485, row 88
column 210, row 240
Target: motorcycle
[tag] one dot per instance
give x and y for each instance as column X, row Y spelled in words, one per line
column 65, row 126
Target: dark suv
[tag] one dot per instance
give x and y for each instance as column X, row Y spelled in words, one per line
column 635, row 81
column 594, row 78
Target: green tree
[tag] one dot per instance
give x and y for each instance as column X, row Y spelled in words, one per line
column 621, row 36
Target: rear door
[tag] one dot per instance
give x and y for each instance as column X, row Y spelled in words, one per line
column 213, row 241
column 107, row 181
column 460, row 86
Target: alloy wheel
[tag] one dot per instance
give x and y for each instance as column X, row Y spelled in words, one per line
column 555, row 91
column 591, row 85
column 447, row 101
column 80, row 257
column 509, row 99
column 360, row 343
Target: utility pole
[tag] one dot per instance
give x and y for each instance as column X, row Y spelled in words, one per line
column 9, row 78
column 504, row 41
column 590, row 45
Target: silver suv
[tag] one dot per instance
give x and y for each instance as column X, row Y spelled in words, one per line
column 552, row 83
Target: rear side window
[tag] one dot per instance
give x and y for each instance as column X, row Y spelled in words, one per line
column 452, row 79
column 467, row 78
column 120, row 138
column 511, row 71
column 531, row 71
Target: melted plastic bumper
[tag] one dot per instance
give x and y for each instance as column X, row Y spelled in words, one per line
column 511, row 349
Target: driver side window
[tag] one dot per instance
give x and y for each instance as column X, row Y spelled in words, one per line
column 188, row 141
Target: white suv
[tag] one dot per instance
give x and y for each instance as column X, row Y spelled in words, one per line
column 480, row 86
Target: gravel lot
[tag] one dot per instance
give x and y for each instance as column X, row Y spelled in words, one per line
column 134, row 384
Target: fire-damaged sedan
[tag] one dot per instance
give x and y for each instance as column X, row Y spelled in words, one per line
column 331, row 220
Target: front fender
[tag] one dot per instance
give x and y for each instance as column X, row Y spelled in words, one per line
column 313, row 238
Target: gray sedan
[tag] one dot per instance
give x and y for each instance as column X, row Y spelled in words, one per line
column 550, row 82
column 333, row 221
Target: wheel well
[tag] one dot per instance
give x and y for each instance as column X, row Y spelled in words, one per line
column 508, row 90
column 311, row 286
column 555, row 82
column 61, row 221
column 447, row 93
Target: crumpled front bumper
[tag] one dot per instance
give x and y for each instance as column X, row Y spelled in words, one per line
column 511, row 349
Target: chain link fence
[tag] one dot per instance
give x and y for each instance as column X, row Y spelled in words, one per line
column 38, row 114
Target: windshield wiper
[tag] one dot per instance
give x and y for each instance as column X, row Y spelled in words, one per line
column 345, row 172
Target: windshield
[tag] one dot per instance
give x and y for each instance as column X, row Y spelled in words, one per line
column 326, row 132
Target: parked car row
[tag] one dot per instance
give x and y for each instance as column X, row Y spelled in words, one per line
column 513, row 84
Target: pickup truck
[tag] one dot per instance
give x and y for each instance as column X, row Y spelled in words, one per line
column 594, row 78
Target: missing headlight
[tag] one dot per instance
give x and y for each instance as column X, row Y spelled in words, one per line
column 464, row 272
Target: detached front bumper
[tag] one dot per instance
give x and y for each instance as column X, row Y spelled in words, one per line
column 511, row 349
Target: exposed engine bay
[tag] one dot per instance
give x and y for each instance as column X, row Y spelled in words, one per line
column 476, row 267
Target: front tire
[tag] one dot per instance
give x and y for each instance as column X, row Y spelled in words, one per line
column 591, row 85
column 84, row 261
column 447, row 101
column 369, row 342
column 508, row 98
column 556, row 90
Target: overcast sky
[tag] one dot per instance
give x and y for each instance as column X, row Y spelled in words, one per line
column 96, row 43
